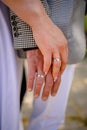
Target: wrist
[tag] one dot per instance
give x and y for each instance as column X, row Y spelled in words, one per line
column 30, row 11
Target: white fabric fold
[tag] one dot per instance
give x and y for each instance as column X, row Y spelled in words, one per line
column 9, row 93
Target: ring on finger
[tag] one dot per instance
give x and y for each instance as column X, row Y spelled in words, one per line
column 40, row 75
column 56, row 59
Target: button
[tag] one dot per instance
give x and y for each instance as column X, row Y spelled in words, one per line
column 15, row 29
column 14, row 23
column 13, row 17
column 16, row 34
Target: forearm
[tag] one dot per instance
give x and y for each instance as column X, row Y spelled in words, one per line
column 30, row 11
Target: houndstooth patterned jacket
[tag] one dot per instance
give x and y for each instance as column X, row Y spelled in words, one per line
column 66, row 14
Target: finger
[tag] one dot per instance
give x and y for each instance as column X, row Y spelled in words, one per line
column 56, row 86
column 47, row 63
column 39, row 80
column 56, row 65
column 48, row 86
column 31, row 76
column 39, row 84
column 64, row 60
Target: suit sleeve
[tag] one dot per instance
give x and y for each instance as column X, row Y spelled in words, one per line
column 22, row 33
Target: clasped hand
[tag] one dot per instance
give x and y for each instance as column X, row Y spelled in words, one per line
column 35, row 66
column 51, row 42
column 49, row 60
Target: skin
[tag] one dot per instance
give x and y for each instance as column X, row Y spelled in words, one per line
column 49, row 38
column 35, row 64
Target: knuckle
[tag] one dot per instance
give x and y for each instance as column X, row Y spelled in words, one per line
column 55, row 47
column 63, row 45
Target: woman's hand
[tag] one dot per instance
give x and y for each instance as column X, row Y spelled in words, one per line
column 52, row 44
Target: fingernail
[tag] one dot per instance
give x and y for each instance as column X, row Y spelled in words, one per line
column 36, row 95
column 53, row 94
column 55, row 79
column 44, row 98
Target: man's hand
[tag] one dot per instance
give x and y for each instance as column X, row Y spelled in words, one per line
column 35, row 65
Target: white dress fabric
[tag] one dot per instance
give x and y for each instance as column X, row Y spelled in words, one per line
column 9, row 94
column 50, row 114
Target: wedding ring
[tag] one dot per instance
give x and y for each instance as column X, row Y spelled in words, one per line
column 56, row 59
column 40, row 75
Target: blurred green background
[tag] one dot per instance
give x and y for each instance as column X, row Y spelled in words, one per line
column 85, row 23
